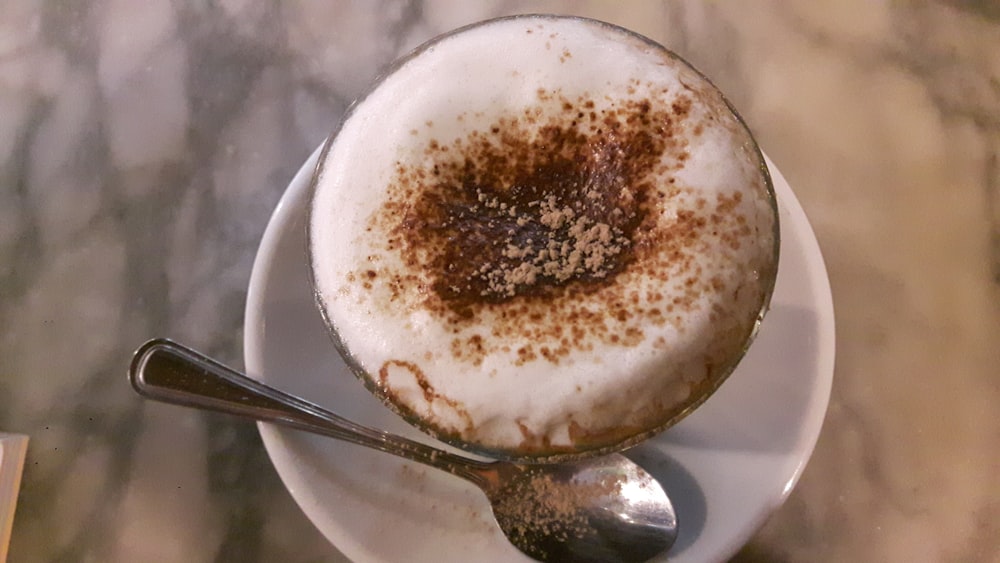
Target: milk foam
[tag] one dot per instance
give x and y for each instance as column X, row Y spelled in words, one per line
column 650, row 346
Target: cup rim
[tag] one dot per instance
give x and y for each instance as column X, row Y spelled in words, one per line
column 703, row 391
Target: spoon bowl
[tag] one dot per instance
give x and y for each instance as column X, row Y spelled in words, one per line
column 600, row 509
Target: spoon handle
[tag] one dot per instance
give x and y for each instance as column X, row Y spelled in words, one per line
column 169, row 372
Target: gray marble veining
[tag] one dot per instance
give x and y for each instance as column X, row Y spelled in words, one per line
column 142, row 149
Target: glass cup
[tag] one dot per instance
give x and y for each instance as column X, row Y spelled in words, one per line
column 439, row 83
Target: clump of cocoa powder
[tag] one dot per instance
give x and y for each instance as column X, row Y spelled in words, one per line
column 550, row 224
column 571, row 244
column 540, row 202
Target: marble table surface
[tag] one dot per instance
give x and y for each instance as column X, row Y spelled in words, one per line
column 144, row 145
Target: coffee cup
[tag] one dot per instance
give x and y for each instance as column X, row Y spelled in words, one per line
column 541, row 238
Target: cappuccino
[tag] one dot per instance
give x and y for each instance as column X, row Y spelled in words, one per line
column 542, row 236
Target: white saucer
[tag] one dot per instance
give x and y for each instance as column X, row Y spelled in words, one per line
column 726, row 467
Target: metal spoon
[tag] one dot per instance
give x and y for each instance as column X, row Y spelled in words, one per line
column 602, row 509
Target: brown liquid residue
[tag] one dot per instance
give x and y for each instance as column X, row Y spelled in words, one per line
column 430, row 395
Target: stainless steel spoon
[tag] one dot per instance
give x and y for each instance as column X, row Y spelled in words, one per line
column 602, row 509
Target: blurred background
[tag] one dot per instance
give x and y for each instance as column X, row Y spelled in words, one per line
column 143, row 148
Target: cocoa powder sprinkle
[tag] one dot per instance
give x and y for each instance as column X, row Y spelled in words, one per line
column 526, row 208
column 543, row 504
column 543, row 220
